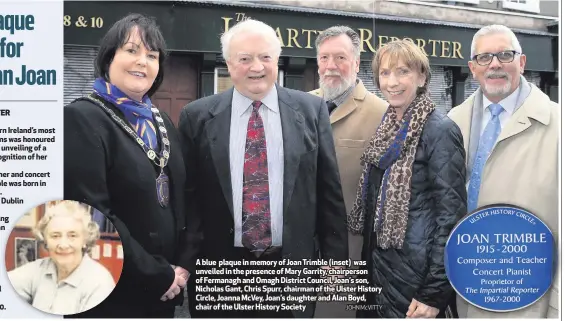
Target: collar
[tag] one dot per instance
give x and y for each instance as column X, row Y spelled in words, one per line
column 76, row 277
column 241, row 103
column 360, row 92
column 344, row 96
column 508, row 103
column 538, row 106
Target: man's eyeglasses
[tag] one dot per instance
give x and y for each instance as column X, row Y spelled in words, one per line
column 505, row 57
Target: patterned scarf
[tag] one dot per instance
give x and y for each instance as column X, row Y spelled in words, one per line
column 138, row 114
column 392, row 149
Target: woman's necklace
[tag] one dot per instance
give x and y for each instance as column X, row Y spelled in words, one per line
column 161, row 160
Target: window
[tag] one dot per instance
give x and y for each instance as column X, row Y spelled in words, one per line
column 466, row 1
column 222, row 81
column 522, row 5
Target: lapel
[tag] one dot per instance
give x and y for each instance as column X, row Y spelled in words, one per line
column 475, row 130
column 463, row 119
column 463, row 116
column 359, row 93
column 173, row 166
column 218, row 133
column 471, row 118
column 292, row 122
column 530, row 105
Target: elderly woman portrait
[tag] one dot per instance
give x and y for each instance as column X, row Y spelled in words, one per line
column 411, row 192
column 69, row 281
column 123, row 157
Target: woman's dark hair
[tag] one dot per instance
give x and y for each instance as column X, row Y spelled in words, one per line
column 119, row 34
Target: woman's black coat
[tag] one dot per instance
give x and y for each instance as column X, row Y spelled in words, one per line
column 105, row 168
column 438, row 201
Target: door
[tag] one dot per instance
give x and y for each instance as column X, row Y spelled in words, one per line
column 179, row 87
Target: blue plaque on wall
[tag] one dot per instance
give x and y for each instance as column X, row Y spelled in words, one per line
column 500, row 258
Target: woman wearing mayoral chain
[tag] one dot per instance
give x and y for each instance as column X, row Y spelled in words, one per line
column 123, row 157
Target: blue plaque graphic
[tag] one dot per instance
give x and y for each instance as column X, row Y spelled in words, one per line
column 500, row 258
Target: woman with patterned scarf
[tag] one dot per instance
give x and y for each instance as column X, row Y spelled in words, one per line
column 123, row 157
column 411, row 192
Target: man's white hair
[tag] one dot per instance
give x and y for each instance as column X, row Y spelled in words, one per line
column 251, row 26
column 488, row 30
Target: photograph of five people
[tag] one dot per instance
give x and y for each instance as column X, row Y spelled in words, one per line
column 260, row 172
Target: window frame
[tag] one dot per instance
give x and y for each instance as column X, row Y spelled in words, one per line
column 532, row 6
column 476, row 2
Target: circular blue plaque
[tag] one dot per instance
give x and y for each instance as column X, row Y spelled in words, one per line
column 500, row 258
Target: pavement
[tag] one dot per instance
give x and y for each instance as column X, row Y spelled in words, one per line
column 182, row 311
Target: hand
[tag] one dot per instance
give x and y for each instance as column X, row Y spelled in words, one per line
column 330, row 286
column 182, row 272
column 178, row 283
column 420, row 310
column 330, row 277
column 175, row 288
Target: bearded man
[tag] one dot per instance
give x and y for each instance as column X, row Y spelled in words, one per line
column 355, row 114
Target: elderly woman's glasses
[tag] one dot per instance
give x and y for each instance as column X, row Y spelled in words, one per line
column 505, row 57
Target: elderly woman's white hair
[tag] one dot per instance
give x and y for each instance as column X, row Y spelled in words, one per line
column 251, row 26
column 492, row 29
column 76, row 210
